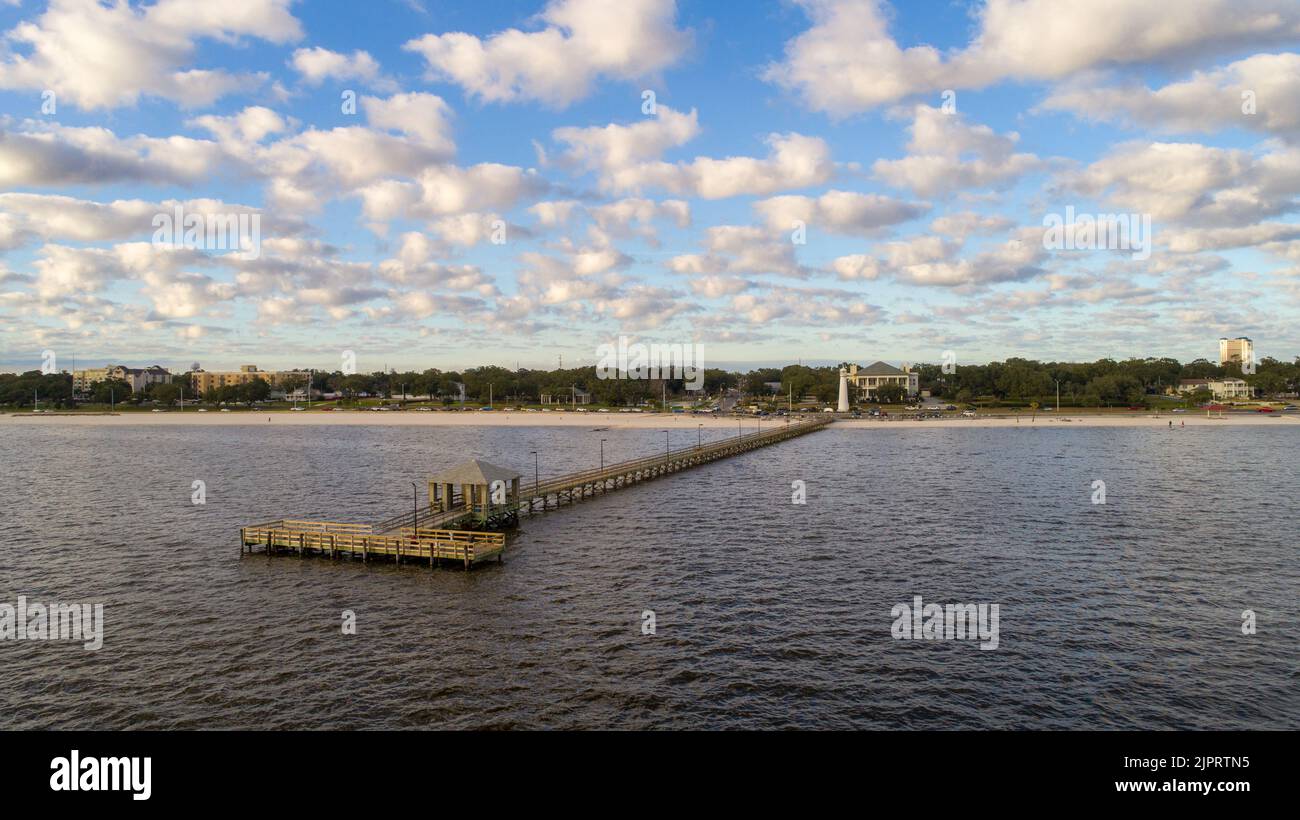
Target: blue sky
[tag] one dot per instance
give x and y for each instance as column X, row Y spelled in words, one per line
column 500, row 195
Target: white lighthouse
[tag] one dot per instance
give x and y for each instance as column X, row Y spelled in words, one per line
column 843, row 406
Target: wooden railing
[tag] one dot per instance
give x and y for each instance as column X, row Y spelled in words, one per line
column 332, row 538
column 428, row 516
column 564, row 482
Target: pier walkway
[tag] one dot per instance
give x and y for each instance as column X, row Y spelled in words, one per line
column 576, row 486
column 441, row 531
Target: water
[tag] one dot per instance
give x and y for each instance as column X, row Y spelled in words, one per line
column 768, row 614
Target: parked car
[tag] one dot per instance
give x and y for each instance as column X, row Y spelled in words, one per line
column 970, row 414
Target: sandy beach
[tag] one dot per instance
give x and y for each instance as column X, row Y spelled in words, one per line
column 632, row 421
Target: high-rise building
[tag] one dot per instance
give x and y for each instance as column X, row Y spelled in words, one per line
column 1240, row 350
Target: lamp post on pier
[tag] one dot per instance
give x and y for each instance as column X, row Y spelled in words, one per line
column 415, row 512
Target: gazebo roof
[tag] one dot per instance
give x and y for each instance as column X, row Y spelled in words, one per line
column 475, row 472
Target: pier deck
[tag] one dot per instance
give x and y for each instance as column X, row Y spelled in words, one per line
column 339, row 540
column 428, row 535
column 576, row 486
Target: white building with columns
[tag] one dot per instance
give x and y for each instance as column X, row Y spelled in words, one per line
column 863, row 382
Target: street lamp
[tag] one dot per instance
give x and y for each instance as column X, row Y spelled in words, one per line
column 602, row 458
column 537, row 483
column 699, row 436
column 1058, row 394
column 666, row 450
column 415, row 512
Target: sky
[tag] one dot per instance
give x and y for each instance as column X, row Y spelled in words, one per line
column 451, row 184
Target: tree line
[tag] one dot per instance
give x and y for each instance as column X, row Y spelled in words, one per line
column 1016, row 380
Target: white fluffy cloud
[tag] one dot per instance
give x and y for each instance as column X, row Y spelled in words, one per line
column 946, row 155
column 442, row 190
column 582, row 41
column 843, row 212
column 848, row 62
column 793, row 161
column 741, row 250
column 316, row 65
column 46, row 217
column 424, row 116
column 613, row 149
column 934, row 261
column 1207, row 101
column 250, row 126
column 98, row 55
column 50, row 155
column 1190, row 183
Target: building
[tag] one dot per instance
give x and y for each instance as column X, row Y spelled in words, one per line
column 864, row 382
column 1240, row 350
column 1226, row 388
column 576, row 396
column 83, row 381
column 204, row 380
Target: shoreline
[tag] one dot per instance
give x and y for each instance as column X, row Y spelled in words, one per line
column 630, row 421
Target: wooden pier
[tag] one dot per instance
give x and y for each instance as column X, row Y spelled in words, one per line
column 483, row 495
column 577, row 486
column 353, row 541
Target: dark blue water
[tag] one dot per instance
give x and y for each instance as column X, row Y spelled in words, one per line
column 768, row 614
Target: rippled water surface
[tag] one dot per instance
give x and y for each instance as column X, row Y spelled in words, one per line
column 769, row 614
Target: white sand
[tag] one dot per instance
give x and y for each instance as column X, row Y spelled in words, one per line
column 634, row 420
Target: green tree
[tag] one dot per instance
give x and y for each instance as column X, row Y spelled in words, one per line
column 890, row 393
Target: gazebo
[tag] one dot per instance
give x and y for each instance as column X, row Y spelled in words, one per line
column 476, row 480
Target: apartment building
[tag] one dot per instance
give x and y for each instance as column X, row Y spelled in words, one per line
column 83, row 381
column 204, row 380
